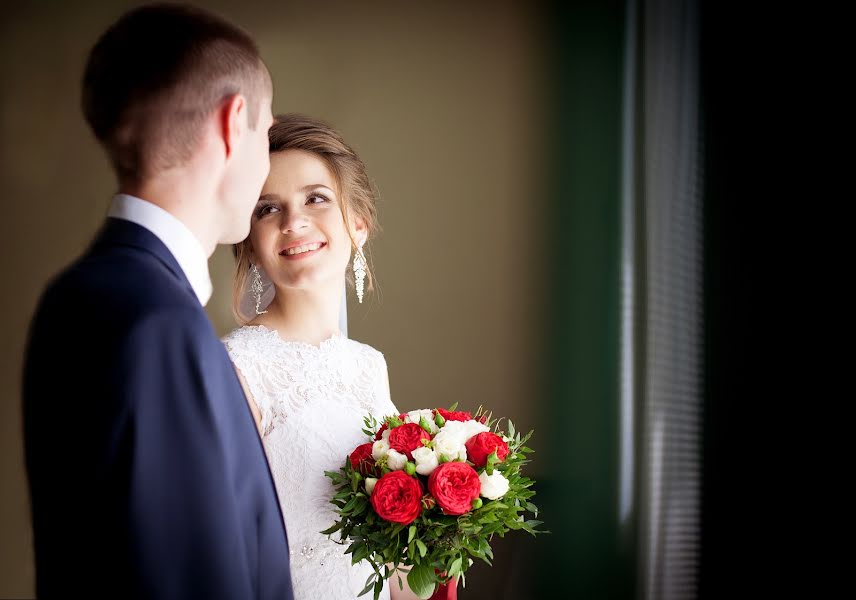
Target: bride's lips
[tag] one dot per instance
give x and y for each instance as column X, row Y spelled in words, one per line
column 301, row 250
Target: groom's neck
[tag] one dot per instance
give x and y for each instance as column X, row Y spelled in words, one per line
column 188, row 198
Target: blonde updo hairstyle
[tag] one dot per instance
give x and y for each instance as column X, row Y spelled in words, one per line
column 356, row 193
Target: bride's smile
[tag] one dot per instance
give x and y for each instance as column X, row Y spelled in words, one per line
column 300, row 250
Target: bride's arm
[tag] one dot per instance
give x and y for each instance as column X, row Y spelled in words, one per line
column 257, row 415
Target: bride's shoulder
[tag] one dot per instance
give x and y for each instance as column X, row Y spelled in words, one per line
column 244, row 339
column 366, row 351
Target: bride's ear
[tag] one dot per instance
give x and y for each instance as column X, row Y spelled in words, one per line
column 361, row 232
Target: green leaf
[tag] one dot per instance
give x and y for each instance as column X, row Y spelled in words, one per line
column 411, row 533
column 423, row 549
column 350, row 505
column 369, row 585
column 421, row 580
column 336, row 527
column 455, row 569
column 453, row 407
column 360, row 553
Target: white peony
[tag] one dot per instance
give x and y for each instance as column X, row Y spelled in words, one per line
column 380, row 449
column 395, row 460
column 493, row 486
column 473, row 427
column 426, row 460
column 370, row 483
column 450, row 440
column 415, row 415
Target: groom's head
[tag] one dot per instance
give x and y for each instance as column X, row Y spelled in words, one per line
column 162, row 78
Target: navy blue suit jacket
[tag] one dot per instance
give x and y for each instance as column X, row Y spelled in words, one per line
column 147, row 475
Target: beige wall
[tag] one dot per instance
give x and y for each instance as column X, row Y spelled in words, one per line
column 443, row 100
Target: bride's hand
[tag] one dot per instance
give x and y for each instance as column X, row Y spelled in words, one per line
column 399, row 594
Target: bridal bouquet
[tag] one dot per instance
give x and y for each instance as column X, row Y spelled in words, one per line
column 427, row 492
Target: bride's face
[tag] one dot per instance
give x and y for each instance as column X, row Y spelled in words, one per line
column 298, row 235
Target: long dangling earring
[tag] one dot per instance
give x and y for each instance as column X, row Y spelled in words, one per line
column 257, row 289
column 359, row 272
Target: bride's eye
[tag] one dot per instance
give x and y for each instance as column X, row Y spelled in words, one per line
column 316, row 198
column 264, row 209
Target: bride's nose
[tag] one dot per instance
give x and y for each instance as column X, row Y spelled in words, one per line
column 293, row 220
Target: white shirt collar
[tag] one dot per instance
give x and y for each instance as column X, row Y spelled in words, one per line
column 181, row 242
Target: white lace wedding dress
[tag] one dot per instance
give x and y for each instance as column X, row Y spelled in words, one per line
column 312, row 401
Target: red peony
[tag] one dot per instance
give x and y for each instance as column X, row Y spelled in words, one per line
column 458, row 415
column 454, row 485
column 407, row 438
column 385, row 426
column 361, row 459
column 480, row 446
column 397, row 497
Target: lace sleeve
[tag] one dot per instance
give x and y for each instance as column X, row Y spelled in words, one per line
column 244, row 358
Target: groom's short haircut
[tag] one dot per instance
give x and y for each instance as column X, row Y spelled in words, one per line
column 155, row 76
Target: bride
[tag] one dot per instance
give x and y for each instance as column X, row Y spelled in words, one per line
column 309, row 386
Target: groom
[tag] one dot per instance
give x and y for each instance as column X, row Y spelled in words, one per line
column 146, row 472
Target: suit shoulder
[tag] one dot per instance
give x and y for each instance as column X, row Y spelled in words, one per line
column 124, row 284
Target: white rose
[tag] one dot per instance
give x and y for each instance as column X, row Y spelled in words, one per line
column 385, row 434
column 370, row 483
column 380, row 449
column 414, row 416
column 395, row 460
column 426, row 460
column 450, row 440
column 493, row 486
column 473, row 427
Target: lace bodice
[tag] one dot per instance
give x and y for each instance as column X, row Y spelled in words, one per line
column 312, row 401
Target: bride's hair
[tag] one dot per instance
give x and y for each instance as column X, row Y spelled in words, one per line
column 300, row 132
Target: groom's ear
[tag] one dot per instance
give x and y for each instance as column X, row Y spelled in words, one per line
column 232, row 121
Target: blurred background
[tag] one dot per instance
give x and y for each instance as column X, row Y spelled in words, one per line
column 549, row 223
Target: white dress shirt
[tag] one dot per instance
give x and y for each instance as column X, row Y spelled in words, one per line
column 181, row 242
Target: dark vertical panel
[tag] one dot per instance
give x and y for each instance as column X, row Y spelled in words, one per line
column 587, row 555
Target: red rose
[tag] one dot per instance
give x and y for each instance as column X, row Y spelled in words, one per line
column 361, row 459
column 454, row 485
column 480, row 446
column 454, row 416
column 397, row 497
column 407, row 438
